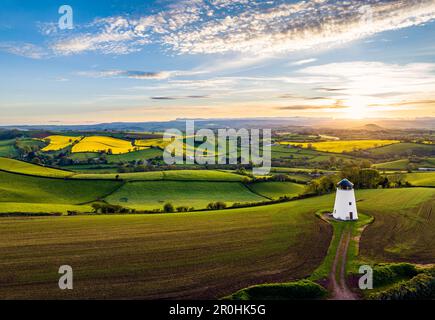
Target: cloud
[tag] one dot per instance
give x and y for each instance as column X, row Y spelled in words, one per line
column 132, row 74
column 27, row 50
column 179, row 97
column 260, row 28
column 336, row 105
column 301, row 62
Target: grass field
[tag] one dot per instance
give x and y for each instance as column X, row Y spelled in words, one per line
column 7, row 148
column 16, row 189
column 163, row 255
column 59, row 142
column 31, row 169
column 102, row 143
column 153, row 195
column 403, row 149
column 343, row 146
column 275, row 190
column 393, row 165
column 421, row 179
column 188, row 175
column 181, row 256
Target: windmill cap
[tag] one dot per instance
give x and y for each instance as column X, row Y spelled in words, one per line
column 345, row 184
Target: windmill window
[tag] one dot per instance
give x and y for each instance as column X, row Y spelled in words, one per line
column 350, row 203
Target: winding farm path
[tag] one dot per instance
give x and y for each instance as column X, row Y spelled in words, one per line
column 340, row 290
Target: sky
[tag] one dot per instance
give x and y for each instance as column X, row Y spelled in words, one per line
column 161, row 60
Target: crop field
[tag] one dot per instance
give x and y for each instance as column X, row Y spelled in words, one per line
column 31, row 169
column 59, row 142
column 143, row 195
column 161, row 255
column 102, row 143
column 404, row 226
column 275, row 190
column 343, row 146
column 156, row 143
column 7, row 148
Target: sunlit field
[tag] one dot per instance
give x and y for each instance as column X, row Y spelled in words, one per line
column 343, row 146
column 106, row 144
column 59, row 142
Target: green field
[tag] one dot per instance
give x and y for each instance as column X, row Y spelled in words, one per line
column 17, row 189
column 154, row 194
column 275, row 190
column 180, row 175
column 404, row 226
column 403, row 149
column 403, row 164
column 187, row 255
column 182, row 256
column 135, row 155
column 421, row 179
column 7, row 148
column 31, row 169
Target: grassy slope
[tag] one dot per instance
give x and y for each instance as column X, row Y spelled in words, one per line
column 200, row 255
column 153, row 195
column 16, row 189
column 275, row 190
column 31, row 169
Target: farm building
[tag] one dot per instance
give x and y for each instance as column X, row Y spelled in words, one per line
column 345, row 203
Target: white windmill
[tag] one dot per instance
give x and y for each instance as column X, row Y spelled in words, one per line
column 345, row 203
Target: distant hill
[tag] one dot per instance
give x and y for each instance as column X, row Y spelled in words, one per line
column 372, row 127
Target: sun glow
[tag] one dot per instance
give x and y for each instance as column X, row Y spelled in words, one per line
column 357, row 108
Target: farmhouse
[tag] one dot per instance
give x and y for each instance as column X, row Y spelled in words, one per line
column 345, row 203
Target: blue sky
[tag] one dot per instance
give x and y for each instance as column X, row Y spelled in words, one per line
column 161, row 60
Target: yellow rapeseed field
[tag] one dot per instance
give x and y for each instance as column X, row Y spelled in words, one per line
column 343, row 146
column 59, row 142
column 156, row 143
column 101, row 143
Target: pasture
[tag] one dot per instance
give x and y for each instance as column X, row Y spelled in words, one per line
column 402, row 149
column 16, row 166
column 342, row 145
column 143, row 195
column 7, row 148
column 421, row 179
column 275, row 190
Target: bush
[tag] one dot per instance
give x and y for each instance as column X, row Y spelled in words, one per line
column 168, row 208
column 183, row 209
column 384, row 274
column 300, row 290
column 420, row 287
column 216, row 205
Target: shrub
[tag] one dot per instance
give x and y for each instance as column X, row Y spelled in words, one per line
column 389, row 273
column 420, row 287
column 183, row 209
column 216, row 205
column 300, row 290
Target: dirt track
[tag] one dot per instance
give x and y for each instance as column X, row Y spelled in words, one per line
column 340, row 290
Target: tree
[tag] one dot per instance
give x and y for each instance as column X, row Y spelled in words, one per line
column 168, row 208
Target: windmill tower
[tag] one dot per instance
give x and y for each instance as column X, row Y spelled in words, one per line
column 345, row 203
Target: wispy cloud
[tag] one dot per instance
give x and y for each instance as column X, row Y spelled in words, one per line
column 263, row 28
column 302, row 62
column 27, row 50
column 132, row 74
